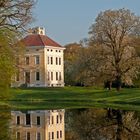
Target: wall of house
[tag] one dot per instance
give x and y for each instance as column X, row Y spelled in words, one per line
column 32, row 67
column 56, row 66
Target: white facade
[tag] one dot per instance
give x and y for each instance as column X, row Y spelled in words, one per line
column 54, row 66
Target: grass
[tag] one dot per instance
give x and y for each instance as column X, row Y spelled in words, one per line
column 73, row 97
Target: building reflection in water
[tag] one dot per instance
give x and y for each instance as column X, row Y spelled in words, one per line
column 38, row 125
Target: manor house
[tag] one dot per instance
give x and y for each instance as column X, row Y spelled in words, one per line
column 43, row 63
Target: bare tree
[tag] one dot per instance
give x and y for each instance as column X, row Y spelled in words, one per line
column 15, row 14
column 114, row 30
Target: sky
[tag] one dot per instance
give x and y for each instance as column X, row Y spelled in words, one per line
column 68, row 21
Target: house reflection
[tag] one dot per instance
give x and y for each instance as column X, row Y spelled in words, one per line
column 38, row 124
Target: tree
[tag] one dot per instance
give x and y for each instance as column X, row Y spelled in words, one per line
column 14, row 18
column 8, row 52
column 114, row 31
column 15, row 14
column 5, row 117
column 107, row 124
column 70, row 56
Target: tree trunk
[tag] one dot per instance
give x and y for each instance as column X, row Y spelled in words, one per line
column 120, row 124
column 110, row 85
column 118, row 83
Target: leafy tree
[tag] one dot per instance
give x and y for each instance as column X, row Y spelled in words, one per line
column 89, row 65
column 70, row 57
column 114, row 30
column 4, row 123
column 14, row 18
column 8, row 52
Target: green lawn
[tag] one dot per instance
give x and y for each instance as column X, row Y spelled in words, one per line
column 73, row 97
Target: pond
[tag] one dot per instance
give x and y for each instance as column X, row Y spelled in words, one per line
column 69, row 124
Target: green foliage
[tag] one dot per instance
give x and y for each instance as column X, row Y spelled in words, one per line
column 70, row 58
column 9, row 49
column 14, row 17
column 6, row 60
column 4, row 125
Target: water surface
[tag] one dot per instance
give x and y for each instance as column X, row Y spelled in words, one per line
column 69, row 124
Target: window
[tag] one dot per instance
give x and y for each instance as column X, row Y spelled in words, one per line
column 52, row 119
column 60, row 76
column 57, row 134
column 49, row 120
column 18, row 136
column 38, row 120
column 27, row 60
column 48, row 60
column 27, row 77
column 18, row 120
column 49, row 136
column 60, row 118
column 28, row 119
column 52, row 135
column 60, row 134
column 28, row 136
column 36, row 60
column 56, row 61
column 56, row 75
column 37, row 76
column 38, row 136
column 51, row 60
column 59, row 61
column 51, row 75
column 17, row 76
column 57, row 119
column 51, row 50
column 48, row 75
column 48, row 50
column 56, row 50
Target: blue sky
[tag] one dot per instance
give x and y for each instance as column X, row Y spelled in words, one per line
column 68, row 21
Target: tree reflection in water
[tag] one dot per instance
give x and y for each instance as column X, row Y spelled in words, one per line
column 102, row 124
column 5, row 116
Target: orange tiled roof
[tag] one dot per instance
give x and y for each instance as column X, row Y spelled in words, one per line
column 39, row 40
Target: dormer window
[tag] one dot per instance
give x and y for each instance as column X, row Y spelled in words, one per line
column 41, row 32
